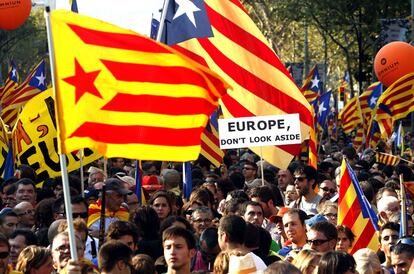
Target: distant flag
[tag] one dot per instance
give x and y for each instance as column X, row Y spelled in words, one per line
column 395, row 103
column 138, row 181
column 185, row 20
column 399, row 139
column 155, row 25
column 188, row 183
column 344, row 85
column 324, row 109
column 11, row 83
column 374, row 135
column 311, row 89
column 138, row 98
column 375, row 95
column 240, row 53
column 387, row 159
column 350, row 115
column 33, row 85
column 358, row 140
column 210, row 145
column 74, row 6
column 355, row 212
column 9, row 168
column 313, row 152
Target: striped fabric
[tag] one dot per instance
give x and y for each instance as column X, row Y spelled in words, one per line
column 33, row 85
column 311, row 87
column 355, row 212
column 139, row 99
column 358, row 139
column 210, row 145
column 387, row 159
column 395, row 103
column 261, row 84
column 350, row 116
column 11, row 83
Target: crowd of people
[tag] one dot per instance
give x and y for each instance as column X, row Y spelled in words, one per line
column 246, row 217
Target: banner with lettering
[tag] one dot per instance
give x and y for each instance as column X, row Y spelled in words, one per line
column 35, row 139
column 4, row 147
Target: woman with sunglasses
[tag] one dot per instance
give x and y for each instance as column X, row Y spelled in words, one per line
column 330, row 211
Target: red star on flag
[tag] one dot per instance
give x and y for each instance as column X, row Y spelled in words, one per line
column 83, row 82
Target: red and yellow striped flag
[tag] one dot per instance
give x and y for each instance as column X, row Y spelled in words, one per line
column 387, row 159
column 395, row 103
column 127, row 95
column 240, row 53
column 355, row 212
column 350, row 116
column 11, row 83
column 311, row 87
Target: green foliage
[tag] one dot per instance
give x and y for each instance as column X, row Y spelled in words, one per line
column 26, row 46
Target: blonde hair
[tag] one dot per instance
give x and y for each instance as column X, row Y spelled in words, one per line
column 325, row 205
column 32, row 257
column 307, row 260
column 222, row 262
column 367, row 261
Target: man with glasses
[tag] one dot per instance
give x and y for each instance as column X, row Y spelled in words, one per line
column 389, row 234
column 402, row 255
column 25, row 213
column 201, row 219
column 61, row 253
column 322, row 237
column 305, row 180
column 249, row 173
column 327, row 189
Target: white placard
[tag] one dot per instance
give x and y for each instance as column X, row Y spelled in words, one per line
column 259, row 131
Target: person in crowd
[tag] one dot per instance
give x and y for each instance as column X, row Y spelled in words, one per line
column 201, row 219
column 322, row 237
column 61, row 253
column 115, row 257
column 327, row 189
column 284, row 179
column 18, row 240
column 402, row 255
column 388, row 237
column 162, row 204
column 208, row 251
column 249, row 172
column 179, row 248
column 345, row 238
column 8, row 221
column 114, row 209
column 96, row 177
column 336, row 262
column 307, row 260
column 329, row 210
column 143, row 264
column 295, row 229
column 25, row 213
column 35, row 260
column 387, row 205
column 26, row 191
column 171, row 180
column 305, row 181
column 367, row 261
column 282, row 268
column 125, row 232
column 252, row 212
column 290, row 194
column 231, row 233
column 146, row 219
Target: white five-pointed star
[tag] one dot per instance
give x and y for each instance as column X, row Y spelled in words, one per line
column 315, row 82
column 322, row 108
column 41, row 79
column 188, row 8
column 13, row 72
column 373, row 101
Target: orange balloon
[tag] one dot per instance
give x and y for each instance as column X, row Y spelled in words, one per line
column 13, row 13
column 393, row 61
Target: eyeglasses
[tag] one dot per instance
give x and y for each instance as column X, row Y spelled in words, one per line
column 300, row 178
column 82, row 215
column 317, row 242
column 27, row 212
column 4, row 255
column 206, row 221
column 327, row 189
column 64, row 248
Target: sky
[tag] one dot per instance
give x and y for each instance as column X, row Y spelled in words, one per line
column 131, row 14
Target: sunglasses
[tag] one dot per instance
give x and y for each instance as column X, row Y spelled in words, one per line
column 300, row 178
column 327, row 189
column 82, row 215
column 317, row 242
column 4, row 255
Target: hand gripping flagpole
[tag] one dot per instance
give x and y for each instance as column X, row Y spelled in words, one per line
column 162, row 19
column 62, row 157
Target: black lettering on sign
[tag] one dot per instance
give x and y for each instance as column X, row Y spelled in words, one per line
column 55, row 166
column 3, row 165
column 50, row 103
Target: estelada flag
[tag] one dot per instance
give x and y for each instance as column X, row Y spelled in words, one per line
column 127, row 95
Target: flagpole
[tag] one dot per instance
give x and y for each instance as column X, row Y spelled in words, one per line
column 81, row 173
column 162, row 19
column 62, row 157
column 403, row 207
column 261, row 165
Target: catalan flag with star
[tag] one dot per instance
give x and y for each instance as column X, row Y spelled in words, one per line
column 127, row 95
